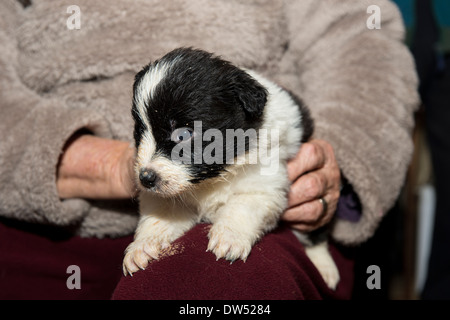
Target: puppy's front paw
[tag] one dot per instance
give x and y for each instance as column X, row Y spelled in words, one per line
column 228, row 244
column 139, row 253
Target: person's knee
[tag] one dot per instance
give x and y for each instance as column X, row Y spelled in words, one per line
column 273, row 270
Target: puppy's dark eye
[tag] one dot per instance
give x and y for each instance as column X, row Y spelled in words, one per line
column 182, row 135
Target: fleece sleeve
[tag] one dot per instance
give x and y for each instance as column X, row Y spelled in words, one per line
column 33, row 131
column 361, row 86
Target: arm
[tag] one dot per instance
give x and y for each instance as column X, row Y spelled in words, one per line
column 96, row 168
column 361, row 87
column 33, row 132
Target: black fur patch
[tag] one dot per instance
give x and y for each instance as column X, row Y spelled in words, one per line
column 307, row 121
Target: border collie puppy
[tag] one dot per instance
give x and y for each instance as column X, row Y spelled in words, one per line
column 212, row 143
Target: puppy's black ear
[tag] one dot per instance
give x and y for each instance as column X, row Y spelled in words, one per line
column 251, row 95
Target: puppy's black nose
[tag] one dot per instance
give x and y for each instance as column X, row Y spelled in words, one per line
column 148, row 178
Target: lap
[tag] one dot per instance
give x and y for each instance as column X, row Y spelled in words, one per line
column 277, row 269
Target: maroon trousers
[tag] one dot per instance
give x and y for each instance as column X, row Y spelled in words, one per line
column 34, row 261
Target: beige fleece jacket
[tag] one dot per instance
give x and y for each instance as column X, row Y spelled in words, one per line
column 360, row 85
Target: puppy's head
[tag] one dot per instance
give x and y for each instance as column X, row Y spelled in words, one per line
column 176, row 100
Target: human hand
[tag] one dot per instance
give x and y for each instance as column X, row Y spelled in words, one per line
column 315, row 175
column 96, row 168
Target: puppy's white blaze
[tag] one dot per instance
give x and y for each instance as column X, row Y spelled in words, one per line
column 146, row 89
column 146, row 151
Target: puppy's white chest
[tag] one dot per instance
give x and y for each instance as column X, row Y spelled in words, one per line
column 210, row 199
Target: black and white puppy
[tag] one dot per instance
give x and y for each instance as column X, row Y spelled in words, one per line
column 212, row 143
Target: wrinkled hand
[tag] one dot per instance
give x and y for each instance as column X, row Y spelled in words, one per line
column 314, row 174
column 96, row 168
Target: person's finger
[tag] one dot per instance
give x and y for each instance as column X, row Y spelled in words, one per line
column 309, row 212
column 307, row 188
column 303, row 227
column 310, row 157
column 315, row 220
column 127, row 174
column 310, row 216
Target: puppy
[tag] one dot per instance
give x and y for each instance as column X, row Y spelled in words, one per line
column 212, row 142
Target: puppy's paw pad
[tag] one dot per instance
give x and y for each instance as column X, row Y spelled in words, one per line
column 138, row 254
column 225, row 243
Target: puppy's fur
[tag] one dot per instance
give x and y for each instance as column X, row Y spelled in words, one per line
column 189, row 85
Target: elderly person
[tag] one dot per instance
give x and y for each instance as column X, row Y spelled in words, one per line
column 66, row 160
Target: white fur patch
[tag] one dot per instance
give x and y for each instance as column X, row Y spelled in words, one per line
column 322, row 259
column 146, row 89
column 281, row 113
column 146, row 150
